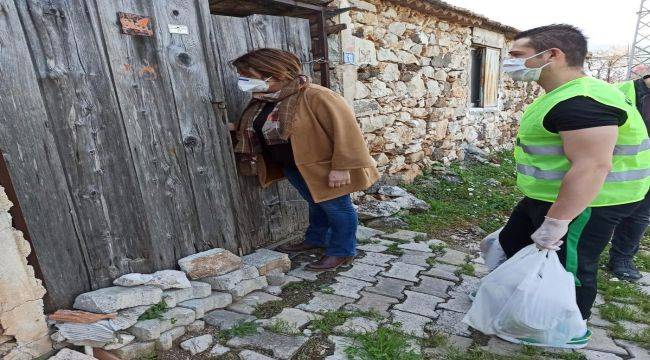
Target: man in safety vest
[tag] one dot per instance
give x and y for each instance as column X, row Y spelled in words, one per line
column 628, row 233
column 581, row 158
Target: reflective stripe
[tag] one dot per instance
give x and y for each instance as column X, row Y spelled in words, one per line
column 558, row 150
column 559, row 175
column 628, row 175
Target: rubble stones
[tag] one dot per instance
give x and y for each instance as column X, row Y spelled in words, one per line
column 228, row 281
column 247, row 286
column 376, row 209
column 224, row 319
column 67, row 354
column 216, row 300
column 135, row 350
column 166, row 339
column 111, row 299
column 266, row 260
column 247, row 304
column 198, row 344
column 213, row 262
column 282, row 346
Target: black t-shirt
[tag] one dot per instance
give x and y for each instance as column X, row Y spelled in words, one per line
column 582, row 112
column 643, row 99
column 279, row 153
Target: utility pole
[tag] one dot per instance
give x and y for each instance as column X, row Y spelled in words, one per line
column 639, row 60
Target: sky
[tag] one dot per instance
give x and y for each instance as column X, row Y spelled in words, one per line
column 605, row 22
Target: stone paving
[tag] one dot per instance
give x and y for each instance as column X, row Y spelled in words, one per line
column 423, row 290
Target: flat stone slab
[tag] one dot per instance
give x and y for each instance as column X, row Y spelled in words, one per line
column 403, row 271
column 348, row 287
column 645, row 278
column 365, row 233
column 459, row 302
column 67, row 354
column 111, row 299
column 420, row 304
column 637, row 352
column 389, row 287
column 153, row 328
column 325, row 302
column 340, row 344
column 197, row 290
column 453, row 257
column 166, row 340
column 213, row 262
column 247, row 304
column 418, row 258
column 451, row 322
column 371, row 301
column 373, row 248
column 301, row 272
column 219, row 350
column 501, row 347
column 135, row 350
column 411, row 323
column 198, row 344
column 434, row 286
column 227, row 282
column 248, row 286
column 422, row 246
column 217, row 300
column 252, row 355
column 597, row 355
column 443, row 271
column 266, row 260
column 296, row 318
column 224, row 319
column 468, row 284
column 282, row 346
column 376, row 259
column 456, row 342
column 363, row 272
column 600, row 341
column 406, row 235
column 357, row 325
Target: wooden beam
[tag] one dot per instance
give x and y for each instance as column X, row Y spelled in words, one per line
column 332, row 29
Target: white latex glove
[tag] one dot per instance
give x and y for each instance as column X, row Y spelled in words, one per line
column 549, row 235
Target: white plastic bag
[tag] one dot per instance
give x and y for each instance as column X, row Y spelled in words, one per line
column 530, row 297
column 492, row 252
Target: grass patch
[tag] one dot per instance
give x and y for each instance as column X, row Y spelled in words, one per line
column 332, row 319
column 154, row 312
column 368, row 241
column 474, row 200
column 149, row 356
column 241, row 329
column 268, row 309
column 612, row 312
column 642, row 338
column 393, row 249
column 466, row 269
column 387, row 343
column 327, row 290
column 420, row 238
column 438, row 249
column 434, row 339
column 280, row 326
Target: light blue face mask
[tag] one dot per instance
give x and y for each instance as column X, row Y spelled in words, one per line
column 516, row 68
column 252, row 85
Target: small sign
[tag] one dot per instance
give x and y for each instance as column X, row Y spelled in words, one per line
column 134, row 24
column 348, row 58
column 178, row 29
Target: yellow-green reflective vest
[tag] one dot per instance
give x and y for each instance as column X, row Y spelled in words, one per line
column 542, row 164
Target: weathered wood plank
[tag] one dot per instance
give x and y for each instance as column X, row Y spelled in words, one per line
column 267, row 31
column 144, row 93
column 87, row 126
column 185, row 66
column 299, row 42
column 36, row 170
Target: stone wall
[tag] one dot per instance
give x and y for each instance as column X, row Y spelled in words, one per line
column 410, row 85
column 23, row 329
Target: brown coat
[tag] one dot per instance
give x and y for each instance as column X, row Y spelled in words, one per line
column 325, row 136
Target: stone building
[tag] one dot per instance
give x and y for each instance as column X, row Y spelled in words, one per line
column 424, row 78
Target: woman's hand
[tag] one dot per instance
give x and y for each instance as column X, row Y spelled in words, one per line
column 338, row 178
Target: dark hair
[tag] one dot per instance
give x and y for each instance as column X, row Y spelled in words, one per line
column 280, row 64
column 565, row 37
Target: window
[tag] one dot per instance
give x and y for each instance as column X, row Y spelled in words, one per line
column 484, row 76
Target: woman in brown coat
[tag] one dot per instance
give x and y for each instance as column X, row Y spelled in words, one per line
column 307, row 134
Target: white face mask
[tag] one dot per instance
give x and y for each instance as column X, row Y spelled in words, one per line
column 252, row 85
column 517, row 70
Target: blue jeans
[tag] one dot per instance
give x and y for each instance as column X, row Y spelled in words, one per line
column 332, row 223
column 628, row 233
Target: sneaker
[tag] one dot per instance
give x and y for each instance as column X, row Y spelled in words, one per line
column 575, row 343
column 625, row 270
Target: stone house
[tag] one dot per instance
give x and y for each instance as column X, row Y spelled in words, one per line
column 424, row 78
